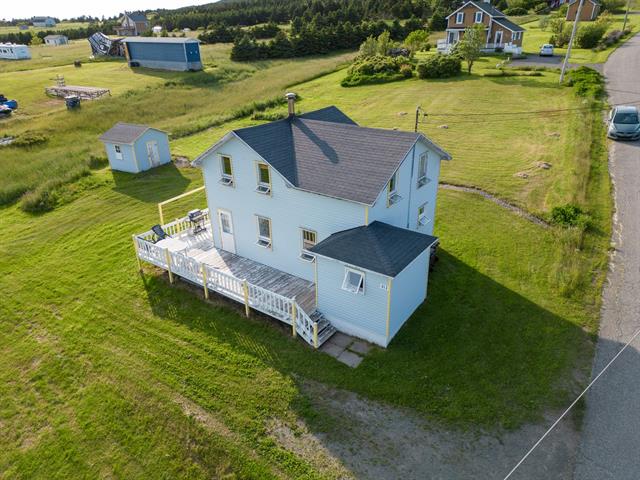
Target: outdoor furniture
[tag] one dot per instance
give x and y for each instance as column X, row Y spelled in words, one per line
column 197, row 219
column 160, row 233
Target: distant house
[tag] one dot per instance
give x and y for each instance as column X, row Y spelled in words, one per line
column 319, row 222
column 135, row 148
column 23, row 27
column 164, row 53
column 590, row 10
column 56, row 40
column 43, row 22
column 501, row 32
column 157, row 29
column 132, row 24
column 14, row 51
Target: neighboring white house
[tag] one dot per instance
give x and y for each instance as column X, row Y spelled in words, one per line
column 135, row 148
column 56, row 40
column 325, row 224
column 14, row 51
column 157, row 29
column 43, row 22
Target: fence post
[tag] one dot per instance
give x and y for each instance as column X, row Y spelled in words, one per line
column 245, row 287
column 135, row 247
column 315, row 334
column 204, row 281
column 294, row 314
column 168, row 257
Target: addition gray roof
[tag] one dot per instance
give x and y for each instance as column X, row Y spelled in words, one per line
column 160, row 40
column 326, row 152
column 124, row 133
column 508, row 24
column 378, row 247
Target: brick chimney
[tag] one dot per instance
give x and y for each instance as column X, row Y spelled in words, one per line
column 291, row 103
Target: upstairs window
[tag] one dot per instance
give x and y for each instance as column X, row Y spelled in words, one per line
column 226, row 170
column 392, row 190
column 118, row 152
column 422, row 169
column 460, row 17
column 264, row 179
column 478, row 18
column 308, row 242
column 422, row 215
column 353, row 281
column 264, row 231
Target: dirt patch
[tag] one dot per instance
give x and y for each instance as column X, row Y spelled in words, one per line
column 376, row 441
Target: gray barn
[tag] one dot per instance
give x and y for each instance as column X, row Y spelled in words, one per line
column 164, row 53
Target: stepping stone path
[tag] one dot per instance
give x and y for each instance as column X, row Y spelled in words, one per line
column 346, row 349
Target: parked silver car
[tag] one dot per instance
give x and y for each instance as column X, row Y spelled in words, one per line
column 624, row 123
column 546, row 50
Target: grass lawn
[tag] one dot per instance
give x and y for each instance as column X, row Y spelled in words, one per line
column 59, row 26
column 100, row 367
column 534, row 37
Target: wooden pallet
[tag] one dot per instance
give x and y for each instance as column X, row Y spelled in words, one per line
column 85, row 93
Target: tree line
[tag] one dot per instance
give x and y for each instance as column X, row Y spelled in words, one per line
column 26, row 37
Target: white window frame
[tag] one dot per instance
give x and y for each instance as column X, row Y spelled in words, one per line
column 478, row 17
column 263, row 241
column 226, row 178
column 263, row 187
column 392, row 194
column 118, row 150
column 459, row 18
column 351, row 288
column 516, row 35
column 304, row 253
column 423, row 220
column 423, row 159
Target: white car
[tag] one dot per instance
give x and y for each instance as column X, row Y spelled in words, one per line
column 546, row 50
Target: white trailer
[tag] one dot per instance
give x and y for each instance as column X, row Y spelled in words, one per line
column 14, row 51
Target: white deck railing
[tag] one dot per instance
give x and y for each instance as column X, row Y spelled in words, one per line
column 253, row 296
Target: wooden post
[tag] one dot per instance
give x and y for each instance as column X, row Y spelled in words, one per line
column 168, row 257
column 294, row 314
column 160, row 213
column 245, row 286
column 135, row 247
column 204, row 282
column 315, row 334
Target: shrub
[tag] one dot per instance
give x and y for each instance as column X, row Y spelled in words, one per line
column 416, row 41
column 612, row 38
column 543, row 23
column 97, row 162
column 586, row 82
column 440, row 66
column 29, row 139
column 590, row 34
column 560, row 32
column 377, row 69
column 613, row 6
column 515, row 11
column 570, row 215
column 271, row 117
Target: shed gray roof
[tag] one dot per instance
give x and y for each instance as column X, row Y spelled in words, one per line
column 378, row 247
column 326, row 152
column 52, row 37
column 124, row 133
column 508, row 24
column 160, row 40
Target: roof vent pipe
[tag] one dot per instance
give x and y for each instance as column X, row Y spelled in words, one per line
column 291, row 103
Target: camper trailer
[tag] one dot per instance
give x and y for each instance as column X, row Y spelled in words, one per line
column 13, row 51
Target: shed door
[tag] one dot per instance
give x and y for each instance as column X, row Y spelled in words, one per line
column 152, row 153
column 226, row 231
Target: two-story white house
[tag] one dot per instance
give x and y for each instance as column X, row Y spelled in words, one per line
column 348, row 209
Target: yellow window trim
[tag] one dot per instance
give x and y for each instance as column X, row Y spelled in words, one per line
column 258, row 182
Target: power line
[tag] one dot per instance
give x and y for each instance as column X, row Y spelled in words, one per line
column 572, row 405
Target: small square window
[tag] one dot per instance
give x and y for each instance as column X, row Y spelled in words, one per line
column 308, row 242
column 264, row 231
column 226, row 170
column 118, row 152
column 353, row 281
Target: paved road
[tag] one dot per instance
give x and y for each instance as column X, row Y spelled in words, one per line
column 610, row 446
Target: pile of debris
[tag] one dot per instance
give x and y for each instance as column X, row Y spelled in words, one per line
column 103, row 46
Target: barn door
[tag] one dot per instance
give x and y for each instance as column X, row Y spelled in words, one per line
column 153, row 154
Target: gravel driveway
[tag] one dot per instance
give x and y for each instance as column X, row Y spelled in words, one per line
column 610, row 447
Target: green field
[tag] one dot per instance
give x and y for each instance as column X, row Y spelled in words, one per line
column 59, row 26
column 104, row 372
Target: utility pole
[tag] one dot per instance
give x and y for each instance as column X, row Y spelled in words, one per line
column 626, row 15
column 418, row 111
column 573, row 34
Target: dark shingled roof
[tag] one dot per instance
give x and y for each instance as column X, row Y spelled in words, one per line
column 137, row 16
column 326, row 152
column 487, row 7
column 378, row 247
column 123, row 133
column 160, row 40
column 509, row 24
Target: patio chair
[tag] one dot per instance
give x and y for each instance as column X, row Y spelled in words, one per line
column 160, row 233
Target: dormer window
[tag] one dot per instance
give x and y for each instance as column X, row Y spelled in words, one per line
column 478, row 18
column 226, row 170
column 264, row 179
column 392, row 190
column 118, row 150
column 422, row 170
column 460, row 17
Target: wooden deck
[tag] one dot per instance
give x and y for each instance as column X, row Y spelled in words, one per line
column 201, row 248
column 85, row 93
